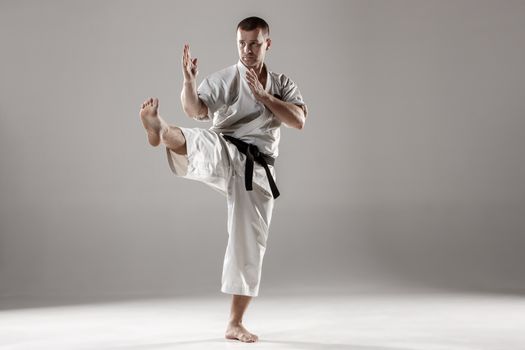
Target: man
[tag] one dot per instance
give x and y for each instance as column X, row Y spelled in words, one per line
column 247, row 104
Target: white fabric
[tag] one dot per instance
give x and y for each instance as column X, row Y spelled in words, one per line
column 234, row 110
column 217, row 163
column 213, row 160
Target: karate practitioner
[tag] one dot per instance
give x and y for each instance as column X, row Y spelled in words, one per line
column 247, row 103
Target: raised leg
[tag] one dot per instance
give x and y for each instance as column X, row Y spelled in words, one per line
column 174, row 139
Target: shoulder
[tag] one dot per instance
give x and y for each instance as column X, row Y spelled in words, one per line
column 219, row 81
column 286, row 89
column 224, row 74
column 282, row 80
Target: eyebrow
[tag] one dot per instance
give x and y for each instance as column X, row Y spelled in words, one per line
column 253, row 41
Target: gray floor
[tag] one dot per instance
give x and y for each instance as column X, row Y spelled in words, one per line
column 425, row 320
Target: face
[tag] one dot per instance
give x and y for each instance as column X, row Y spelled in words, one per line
column 252, row 46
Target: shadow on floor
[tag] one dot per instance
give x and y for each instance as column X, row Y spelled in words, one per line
column 278, row 344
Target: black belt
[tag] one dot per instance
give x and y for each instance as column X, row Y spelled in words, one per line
column 252, row 154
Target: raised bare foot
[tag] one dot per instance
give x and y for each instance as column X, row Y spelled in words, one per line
column 237, row 331
column 151, row 120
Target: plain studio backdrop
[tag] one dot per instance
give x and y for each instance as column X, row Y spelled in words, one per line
column 409, row 171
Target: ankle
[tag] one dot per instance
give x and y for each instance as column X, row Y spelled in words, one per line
column 164, row 130
column 234, row 322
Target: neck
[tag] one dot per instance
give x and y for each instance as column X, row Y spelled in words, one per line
column 259, row 69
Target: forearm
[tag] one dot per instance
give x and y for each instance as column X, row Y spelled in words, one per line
column 191, row 104
column 286, row 112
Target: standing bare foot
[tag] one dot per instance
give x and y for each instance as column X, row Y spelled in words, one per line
column 237, row 331
column 152, row 121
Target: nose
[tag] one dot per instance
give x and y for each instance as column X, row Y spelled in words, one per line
column 247, row 49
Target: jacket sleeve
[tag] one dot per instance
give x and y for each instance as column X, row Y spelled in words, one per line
column 211, row 93
column 290, row 93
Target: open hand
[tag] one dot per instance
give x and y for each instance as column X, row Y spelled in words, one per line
column 255, row 85
column 189, row 65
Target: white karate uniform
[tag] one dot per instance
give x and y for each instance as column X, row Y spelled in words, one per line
column 213, row 160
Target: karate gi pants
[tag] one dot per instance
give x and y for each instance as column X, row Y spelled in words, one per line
column 213, row 160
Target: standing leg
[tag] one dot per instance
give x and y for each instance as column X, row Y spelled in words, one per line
column 158, row 130
column 249, row 216
column 235, row 329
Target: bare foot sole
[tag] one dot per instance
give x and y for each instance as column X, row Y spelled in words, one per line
column 151, row 120
column 238, row 332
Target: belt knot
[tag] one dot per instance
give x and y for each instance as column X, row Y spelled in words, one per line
column 253, row 154
column 254, row 151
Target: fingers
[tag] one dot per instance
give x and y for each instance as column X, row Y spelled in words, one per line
column 250, row 75
column 185, row 55
column 251, row 78
column 251, row 83
column 194, row 66
column 189, row 64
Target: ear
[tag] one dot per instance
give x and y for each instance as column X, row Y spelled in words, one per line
column 268, row 43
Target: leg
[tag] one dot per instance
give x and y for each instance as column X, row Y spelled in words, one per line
column 249, row 216
column 174, row 139
column 158, row 130
column 235, row 329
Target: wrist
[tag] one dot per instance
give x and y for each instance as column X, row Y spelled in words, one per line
column 266, row 97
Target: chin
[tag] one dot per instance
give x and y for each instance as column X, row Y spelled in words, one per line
column 250, row 62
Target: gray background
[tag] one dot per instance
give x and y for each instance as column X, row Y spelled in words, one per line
column 409, row 171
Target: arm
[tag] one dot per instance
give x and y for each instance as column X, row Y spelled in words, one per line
column 191, row 104
column 291, row 114
column 288, row 113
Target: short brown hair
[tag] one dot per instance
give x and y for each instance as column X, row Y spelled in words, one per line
column 252, row 23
